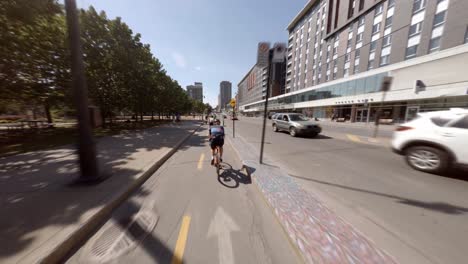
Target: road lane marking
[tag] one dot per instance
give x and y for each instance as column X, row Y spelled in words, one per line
column 200, row 161
column 181, row 241
column 353, row 138
column 221, row 227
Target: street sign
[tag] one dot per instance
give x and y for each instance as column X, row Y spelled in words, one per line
column 233, row 103
column 263, row 54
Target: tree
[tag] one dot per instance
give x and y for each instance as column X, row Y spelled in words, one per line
column 33, row 56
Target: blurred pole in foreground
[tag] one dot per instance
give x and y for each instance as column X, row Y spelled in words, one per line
column 86, row 145
column 384, row 87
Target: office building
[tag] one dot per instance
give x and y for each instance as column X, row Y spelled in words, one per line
column 339, row 51
column 195, row 91
column 253, row 87
column 225, row 94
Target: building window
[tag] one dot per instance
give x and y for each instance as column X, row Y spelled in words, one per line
column 391, row 3
column 349, row 43
column 328, row 66
column 335, row 50
column 346, row 72
column 384, row 60
column 434, row 44
column 418, row 5
column 388, row 22
column 378, row 9
column 415, row 29
column 387, row 40
column 334, row 75
column 361, row 4
column 346, row 57
column 439, row 18
column 327, row 77
column 358, row 53
column 373, row 45
column 376, row 28
column 359, row 37
column 370, row 65
column 411, row 51
column 361, row 21
column 356, row 68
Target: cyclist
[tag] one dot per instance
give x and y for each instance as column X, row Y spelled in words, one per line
column 216, row 137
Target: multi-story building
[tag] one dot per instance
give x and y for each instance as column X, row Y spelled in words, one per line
column 225, row 94
column 339, row 51
column 253, row 87
column 195, row 91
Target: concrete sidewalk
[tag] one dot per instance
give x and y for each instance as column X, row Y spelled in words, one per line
column 44, row 214
column 319, row 233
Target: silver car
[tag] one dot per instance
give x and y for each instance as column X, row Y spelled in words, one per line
column 295, row 124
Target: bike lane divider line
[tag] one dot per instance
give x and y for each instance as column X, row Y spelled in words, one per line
column 181, row 241
column 200, row 162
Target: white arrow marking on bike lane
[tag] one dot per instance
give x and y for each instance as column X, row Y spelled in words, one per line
column 221, row 227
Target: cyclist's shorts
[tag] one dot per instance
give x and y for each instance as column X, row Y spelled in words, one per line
column 217, row 142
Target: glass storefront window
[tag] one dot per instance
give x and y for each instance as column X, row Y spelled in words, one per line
column 351, row 89
column 371, row 84
column 360, row 86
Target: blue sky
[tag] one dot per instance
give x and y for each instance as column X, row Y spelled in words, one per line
column 204, row 40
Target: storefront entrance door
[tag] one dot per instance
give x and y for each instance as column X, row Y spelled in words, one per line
column 362, row 114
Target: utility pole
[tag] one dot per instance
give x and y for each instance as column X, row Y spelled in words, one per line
column 86, row 145
column 384, row 87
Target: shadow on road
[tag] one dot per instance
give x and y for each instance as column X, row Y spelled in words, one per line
column 35, row 187
column 441, row 207
column 232, row 178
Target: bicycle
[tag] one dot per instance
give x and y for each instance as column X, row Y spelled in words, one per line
column 217, row 158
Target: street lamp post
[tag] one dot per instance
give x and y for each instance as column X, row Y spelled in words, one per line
column 86, row 146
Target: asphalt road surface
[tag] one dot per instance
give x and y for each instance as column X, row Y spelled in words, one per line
column 186, row 213
column 416, row 217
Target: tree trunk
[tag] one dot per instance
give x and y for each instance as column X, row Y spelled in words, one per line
column 152, row 115
column 48, row 114
column 141, row 117
column 103, row 117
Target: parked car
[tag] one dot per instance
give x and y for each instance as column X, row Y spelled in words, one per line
column 434, row 141
column 271, row 114
column 295, row 124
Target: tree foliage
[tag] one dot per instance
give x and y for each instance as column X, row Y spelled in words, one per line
column 123, row 76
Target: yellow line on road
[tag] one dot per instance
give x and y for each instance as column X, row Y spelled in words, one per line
column 200, row 161
column 353, row 138
column 181, row 241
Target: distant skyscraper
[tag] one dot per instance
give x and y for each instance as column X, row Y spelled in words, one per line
column 195, row 91
column 225, row 94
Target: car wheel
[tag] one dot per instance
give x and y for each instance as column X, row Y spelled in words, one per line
column 293, row 132
column 275, row 128
column 427, row 159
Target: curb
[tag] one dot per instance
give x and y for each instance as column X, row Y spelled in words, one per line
column 66, row 247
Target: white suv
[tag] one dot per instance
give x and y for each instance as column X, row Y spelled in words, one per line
column 434, row 141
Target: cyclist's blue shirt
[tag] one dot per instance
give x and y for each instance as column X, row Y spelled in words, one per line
column 217, row 131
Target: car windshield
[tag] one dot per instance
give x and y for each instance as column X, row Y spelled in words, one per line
column 298, row 118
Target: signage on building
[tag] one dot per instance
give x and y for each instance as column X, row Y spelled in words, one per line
column 279, row 52
column 263, row 54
